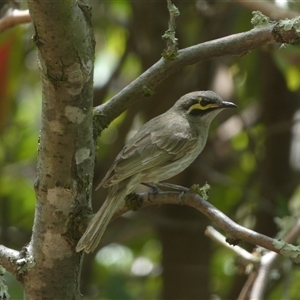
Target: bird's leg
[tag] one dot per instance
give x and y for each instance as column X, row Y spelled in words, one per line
column 152, row 186
column 176, row 187
column 154, row 189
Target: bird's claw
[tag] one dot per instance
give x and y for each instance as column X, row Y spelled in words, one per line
column 154, row 188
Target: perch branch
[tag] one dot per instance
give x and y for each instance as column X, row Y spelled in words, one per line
column 232, row 229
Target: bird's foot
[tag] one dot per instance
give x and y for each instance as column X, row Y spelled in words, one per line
column 182, row 189
column 154, row 189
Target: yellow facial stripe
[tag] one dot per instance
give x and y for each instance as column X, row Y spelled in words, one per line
column 200, row 107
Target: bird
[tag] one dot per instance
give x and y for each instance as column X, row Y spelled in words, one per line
column 162, row 148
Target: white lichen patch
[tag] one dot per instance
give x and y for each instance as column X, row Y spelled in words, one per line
column 89, row 68
column 75, row 78
column 82, row 154
column 259, row 20
column 25, row 264
column 288, row 24
column 288, row 250
column 74, row 114
column 56, row 127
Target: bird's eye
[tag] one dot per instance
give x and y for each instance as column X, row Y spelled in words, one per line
column 204, row 102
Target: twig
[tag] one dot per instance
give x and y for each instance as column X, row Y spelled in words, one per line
column 171, row 51
column 247, row 286
column 269, row 9
column 14, row 17
column 262, row 278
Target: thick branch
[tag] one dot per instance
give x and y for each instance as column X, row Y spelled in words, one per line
column 8, row 257
column 236, row 44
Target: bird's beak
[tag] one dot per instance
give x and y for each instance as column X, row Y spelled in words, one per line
column 226, row 104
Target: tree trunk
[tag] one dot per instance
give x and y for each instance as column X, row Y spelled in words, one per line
column 66, row 148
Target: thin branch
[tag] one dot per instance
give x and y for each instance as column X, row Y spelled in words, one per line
column 221, row 239
column 247, row 286
column 144, row 86
column 8, row 257
column 262, row 278
column 267, row 262
column 14, row 17
column 269, row 8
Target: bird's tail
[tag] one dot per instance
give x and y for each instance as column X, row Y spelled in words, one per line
column 98, row 224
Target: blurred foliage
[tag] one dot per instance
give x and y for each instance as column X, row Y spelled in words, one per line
column 131, row 268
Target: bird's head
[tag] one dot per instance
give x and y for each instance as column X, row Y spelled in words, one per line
column 201, row 105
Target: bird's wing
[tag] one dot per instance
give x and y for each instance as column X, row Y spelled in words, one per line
column 150, row 149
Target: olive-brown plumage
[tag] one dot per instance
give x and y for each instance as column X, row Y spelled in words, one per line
column 162, row 148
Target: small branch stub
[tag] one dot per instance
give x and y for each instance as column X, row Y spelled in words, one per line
column 133, row 202
column 14, row 17
column 202, row 191
column 171, row 51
